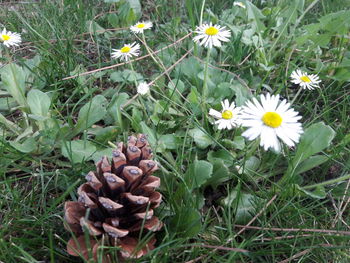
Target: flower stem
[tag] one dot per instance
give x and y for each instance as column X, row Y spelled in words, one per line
column 205, row 90
column 202, row 11
column 296, row 95
column 205, row 80
column 133, row 72
column 159, row 64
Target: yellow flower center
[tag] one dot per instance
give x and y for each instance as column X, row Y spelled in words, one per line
column 140, row 25
column 227, row 114
column 305, row 79
column 5, row 37
column 211, row 31
column 125, row 49
column 272, row 119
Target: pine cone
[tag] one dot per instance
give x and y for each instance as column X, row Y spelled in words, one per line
column 116, row 204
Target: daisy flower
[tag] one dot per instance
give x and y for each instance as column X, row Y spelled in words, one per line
column 143, row 88
column 127, row 51
column 228, row 118
column 240, row 4
column 9, row 38
column 271, row 119
column 140, row 27
column 305, row 80
column 211, row 35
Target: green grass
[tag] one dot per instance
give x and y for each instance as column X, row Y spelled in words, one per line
column 202, row 223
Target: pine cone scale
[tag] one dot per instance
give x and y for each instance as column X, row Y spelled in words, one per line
column 117, row 202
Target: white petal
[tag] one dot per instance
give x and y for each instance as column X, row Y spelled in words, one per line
column 215, row 113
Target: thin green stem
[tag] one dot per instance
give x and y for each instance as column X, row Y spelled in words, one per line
column 202, row 11
column 151, row 53
column 133, row 72
column 205, row 80
column 296, row 95
column 333, row 181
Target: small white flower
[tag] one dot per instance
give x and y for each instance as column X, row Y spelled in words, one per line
column 9, row 38
column 143, row 88
column 305, row 80
column 211, row 35
column 240, row 4
column 271, row 119
column 228, row 118
column 141, row 26
column 127, row 51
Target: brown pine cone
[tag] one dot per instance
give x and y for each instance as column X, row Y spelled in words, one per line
column 116, row 204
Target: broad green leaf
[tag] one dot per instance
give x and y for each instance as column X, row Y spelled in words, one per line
column 190, row 67
column 78, row 151
column 221, row 173
column 169, row 141
column 91, row 113
column 318, row 193
column 38, row 117
column 222, row 91
column 13, row 79
column 111, row 1
column 310, row 163
column 250, row 165
column 29, row 145
column 198, row 173
column 39, row 102
column 201, row 139
column 113, row 19
column 179, row 85
column 315, row 139
column 242, row 93
column 104, row 134
column 94, row 28
column 135, row 5
column 149, row 132
column 255, row 16
column 244, row 205
column 99, row 154
column 222, row 155
column 238, row 142
column 126, row 75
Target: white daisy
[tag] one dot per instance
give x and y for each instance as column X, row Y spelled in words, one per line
column 271, row 119
column 140, row 27
column 127, row 51
column 143, row 88
column 211, row 35
column 305, row 80
column 240, row 4
column 9, row 38
column 228, row 118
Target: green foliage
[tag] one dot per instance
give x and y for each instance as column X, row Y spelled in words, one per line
column 92, row 112
column 243, row 204
column 53, row 128
column 315, row 139
column 198, row 173
column 13, row 79
column 78, row 151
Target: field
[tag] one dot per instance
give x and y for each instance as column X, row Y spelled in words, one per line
column 265, row 181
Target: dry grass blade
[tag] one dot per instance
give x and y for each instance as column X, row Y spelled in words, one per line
column 153, row 81
column 324, row 231
column 242, row 230
column 128, row 62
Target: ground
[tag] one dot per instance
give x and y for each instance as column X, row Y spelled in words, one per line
column 65, row 102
